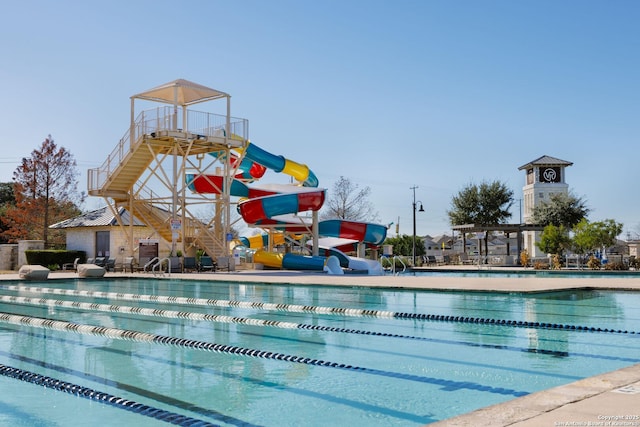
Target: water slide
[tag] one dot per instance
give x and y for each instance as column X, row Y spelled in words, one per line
column 273, row 205
column 247, row 170
column 260, row 240
column 289, row 261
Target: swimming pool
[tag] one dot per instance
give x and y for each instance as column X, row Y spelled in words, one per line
column 520, row 273
column 284, row 355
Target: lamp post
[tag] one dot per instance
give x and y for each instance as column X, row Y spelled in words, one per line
column 414, row 221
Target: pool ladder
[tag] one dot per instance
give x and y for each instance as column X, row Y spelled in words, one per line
column 155, row 266
column 393, row 264
column 158, row 266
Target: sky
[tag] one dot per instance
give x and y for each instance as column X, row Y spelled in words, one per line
column 432, row 94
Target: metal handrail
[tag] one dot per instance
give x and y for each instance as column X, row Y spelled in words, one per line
column 159, row 266
column 160, row 119
column 393, row 264
column 150, row 263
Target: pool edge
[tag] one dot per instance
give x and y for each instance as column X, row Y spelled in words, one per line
column 589, row 400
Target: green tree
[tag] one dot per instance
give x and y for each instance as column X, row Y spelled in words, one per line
column 590, row 236
column 6, row 193
column 45, row 189
column 403, row 245
column 554, row 240
column 350, row 202
column 561, row 209
column 485, row 204
column 7, row 200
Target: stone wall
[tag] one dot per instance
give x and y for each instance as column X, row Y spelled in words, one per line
column 9, row 257
column 25, row 245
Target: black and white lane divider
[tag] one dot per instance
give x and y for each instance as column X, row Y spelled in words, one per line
column 170, row 314
column 102, row 397
column 154, row 312
column 131, row 335
column 161, row 299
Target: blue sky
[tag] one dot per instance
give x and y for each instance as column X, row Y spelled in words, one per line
column 390, row 94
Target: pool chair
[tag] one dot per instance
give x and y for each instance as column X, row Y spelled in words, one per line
column 101, row 261
column 33, row 272
column 128, row 264
column 207, row 264
column 110, row 265
column 189, row 264
column 464, row 259
column 73, row 266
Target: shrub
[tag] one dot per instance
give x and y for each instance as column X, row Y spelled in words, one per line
column 53, row 257
column 593, row 263
column 616, row 266
column 541, row 265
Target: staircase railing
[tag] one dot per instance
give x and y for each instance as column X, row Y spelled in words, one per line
column 160, row 119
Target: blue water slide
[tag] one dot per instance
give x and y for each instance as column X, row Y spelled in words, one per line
column 272, row 161
column 280, row 164
column 302, row 262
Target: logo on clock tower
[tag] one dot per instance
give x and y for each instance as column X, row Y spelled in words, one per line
column 550, row 174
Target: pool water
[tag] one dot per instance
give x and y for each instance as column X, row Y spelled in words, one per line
column 285, row 358
column 498, row 272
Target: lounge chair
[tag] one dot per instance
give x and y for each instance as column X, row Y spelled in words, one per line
column 100, row 261
column 110, row 264
column 207, row 264
column 90, row 271
column 73, row 266
column 33, row 272
column 189, row 264
column 128, row 264
column 224, row 263
column 464, row 259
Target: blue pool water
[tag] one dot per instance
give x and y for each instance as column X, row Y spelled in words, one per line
column 412, row 358
column 498, row 272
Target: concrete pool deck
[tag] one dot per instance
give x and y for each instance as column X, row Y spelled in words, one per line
column 610, row 399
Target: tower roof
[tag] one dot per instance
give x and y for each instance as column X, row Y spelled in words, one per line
column 545, row 161
column 181, row 92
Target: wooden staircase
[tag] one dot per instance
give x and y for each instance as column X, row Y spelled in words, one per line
column 121, row 175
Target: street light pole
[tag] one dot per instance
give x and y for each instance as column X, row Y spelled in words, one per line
column 414, row 222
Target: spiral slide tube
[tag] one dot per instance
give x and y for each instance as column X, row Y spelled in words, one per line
column 254, row 210
column 373, row 234
column 214, row 184
column 247, row 170
column 137, row 336
column 260, row 240
column 289, row 261
column 279, row 164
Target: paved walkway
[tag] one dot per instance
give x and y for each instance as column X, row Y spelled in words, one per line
column 611, row 399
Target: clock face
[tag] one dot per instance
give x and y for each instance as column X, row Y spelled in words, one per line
column 549, row 174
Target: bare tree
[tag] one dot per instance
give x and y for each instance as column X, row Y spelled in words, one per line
column 350, row 202
column 46, row 191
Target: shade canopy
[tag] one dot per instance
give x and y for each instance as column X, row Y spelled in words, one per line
column 181, row 92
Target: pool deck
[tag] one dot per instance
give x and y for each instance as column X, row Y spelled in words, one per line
column 610, row 399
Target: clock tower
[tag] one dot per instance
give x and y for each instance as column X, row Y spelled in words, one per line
column 544, row 177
